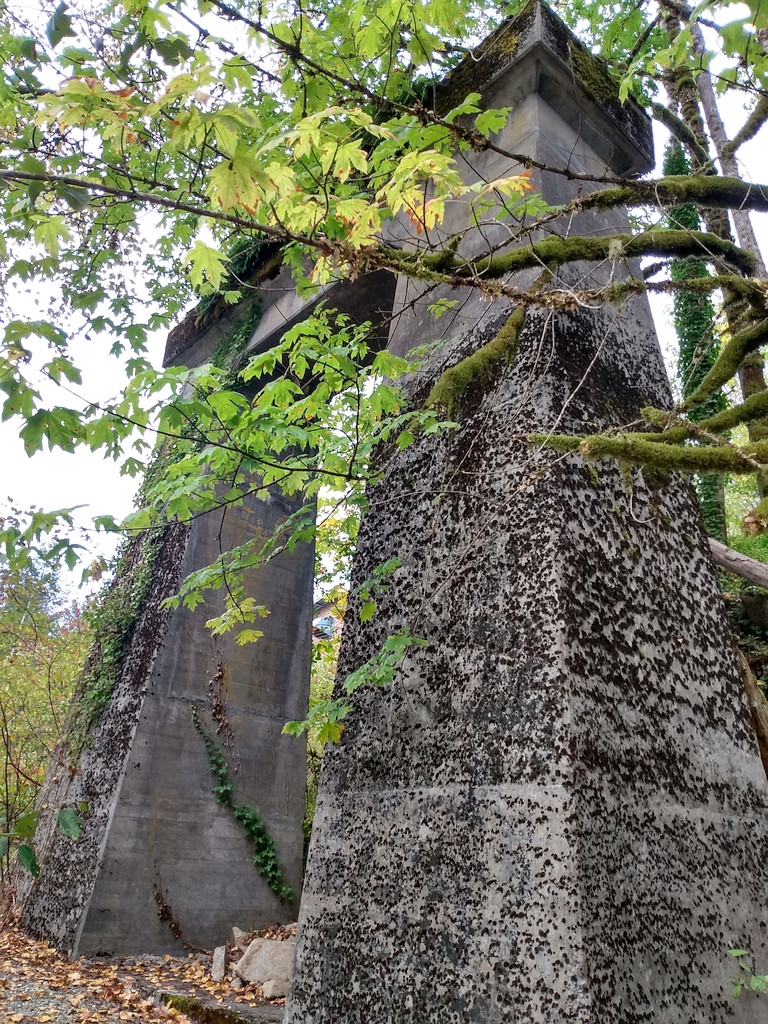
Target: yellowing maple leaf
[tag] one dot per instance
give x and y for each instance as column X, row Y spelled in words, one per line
column 238, row 181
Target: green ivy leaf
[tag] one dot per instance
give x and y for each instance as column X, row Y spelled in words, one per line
column 28, row 860
column 69, row 822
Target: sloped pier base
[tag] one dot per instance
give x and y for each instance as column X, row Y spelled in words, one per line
column 160, row 862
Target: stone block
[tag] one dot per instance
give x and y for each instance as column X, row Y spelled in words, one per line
column 267, row 960
column 219, row 966
column 275, row 989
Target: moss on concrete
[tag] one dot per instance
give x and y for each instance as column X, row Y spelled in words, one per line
column 200, row 1011
column 592, row 73
column 448, row 391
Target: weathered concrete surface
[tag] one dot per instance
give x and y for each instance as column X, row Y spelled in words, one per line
column 159, row 856
column 556, row 813
column 156, row 842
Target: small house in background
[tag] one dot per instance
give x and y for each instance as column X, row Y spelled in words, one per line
column 327, row 619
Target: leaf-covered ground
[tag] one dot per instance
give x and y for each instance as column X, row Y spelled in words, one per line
column 37, row 984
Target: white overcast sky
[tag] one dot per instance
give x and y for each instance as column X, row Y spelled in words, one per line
column 58, row 479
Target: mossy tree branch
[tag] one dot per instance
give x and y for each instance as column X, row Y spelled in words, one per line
column 676, row 430
column 728, row 362
column 448, row 391
column 750, row 128
column 639, row 450
column 676, row 189
column 555, row 251
column 680, row 130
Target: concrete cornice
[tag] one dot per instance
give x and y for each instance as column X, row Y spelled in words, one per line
column 534, row 52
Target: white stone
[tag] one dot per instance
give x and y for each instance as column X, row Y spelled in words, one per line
column 238, row 935
column 267, row 960
column 219, row 967
column 237, row 983
column 275, row 988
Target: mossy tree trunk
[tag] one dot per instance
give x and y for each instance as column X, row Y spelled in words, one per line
column 691, row 96
column 694, row 317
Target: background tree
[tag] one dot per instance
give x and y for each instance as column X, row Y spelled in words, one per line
column 694, row 316
column 43, row 640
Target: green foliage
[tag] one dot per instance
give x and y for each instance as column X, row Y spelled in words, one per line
column 741, row 496
column 69, row 823
column 367, row 591
column 271, row 130
column 755, row 547
column 327, row 399
column 694, row 316
column 111, row 621
column 320, row 729
column 114, row 614
column 747, row 980
column 694, row 313
column 254, row 828
column 27, row 859
column 43, row 640
column 326, row 715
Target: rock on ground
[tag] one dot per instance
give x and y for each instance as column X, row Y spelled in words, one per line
column 267, row 960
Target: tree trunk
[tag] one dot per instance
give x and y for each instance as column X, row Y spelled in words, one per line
column 758, row 707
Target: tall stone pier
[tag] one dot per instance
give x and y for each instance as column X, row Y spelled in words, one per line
column 160, row 861
column 556, row 812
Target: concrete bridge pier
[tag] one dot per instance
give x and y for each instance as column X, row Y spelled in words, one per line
column 556, row 812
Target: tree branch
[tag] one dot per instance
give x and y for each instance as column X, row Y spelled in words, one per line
column 555, row 251
column 740, row 565
column 681, row 131
column 750, row 128
column 674, row 190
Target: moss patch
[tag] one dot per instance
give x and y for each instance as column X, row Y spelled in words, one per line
column 448, row 391
column 592, row 73
column 115, row 616
column 486, row 62
column 200, row 1011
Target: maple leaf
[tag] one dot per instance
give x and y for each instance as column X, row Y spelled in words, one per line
column 238, row 180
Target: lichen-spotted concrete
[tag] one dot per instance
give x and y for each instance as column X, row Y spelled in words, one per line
column 556, row 812
column 160, row 861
